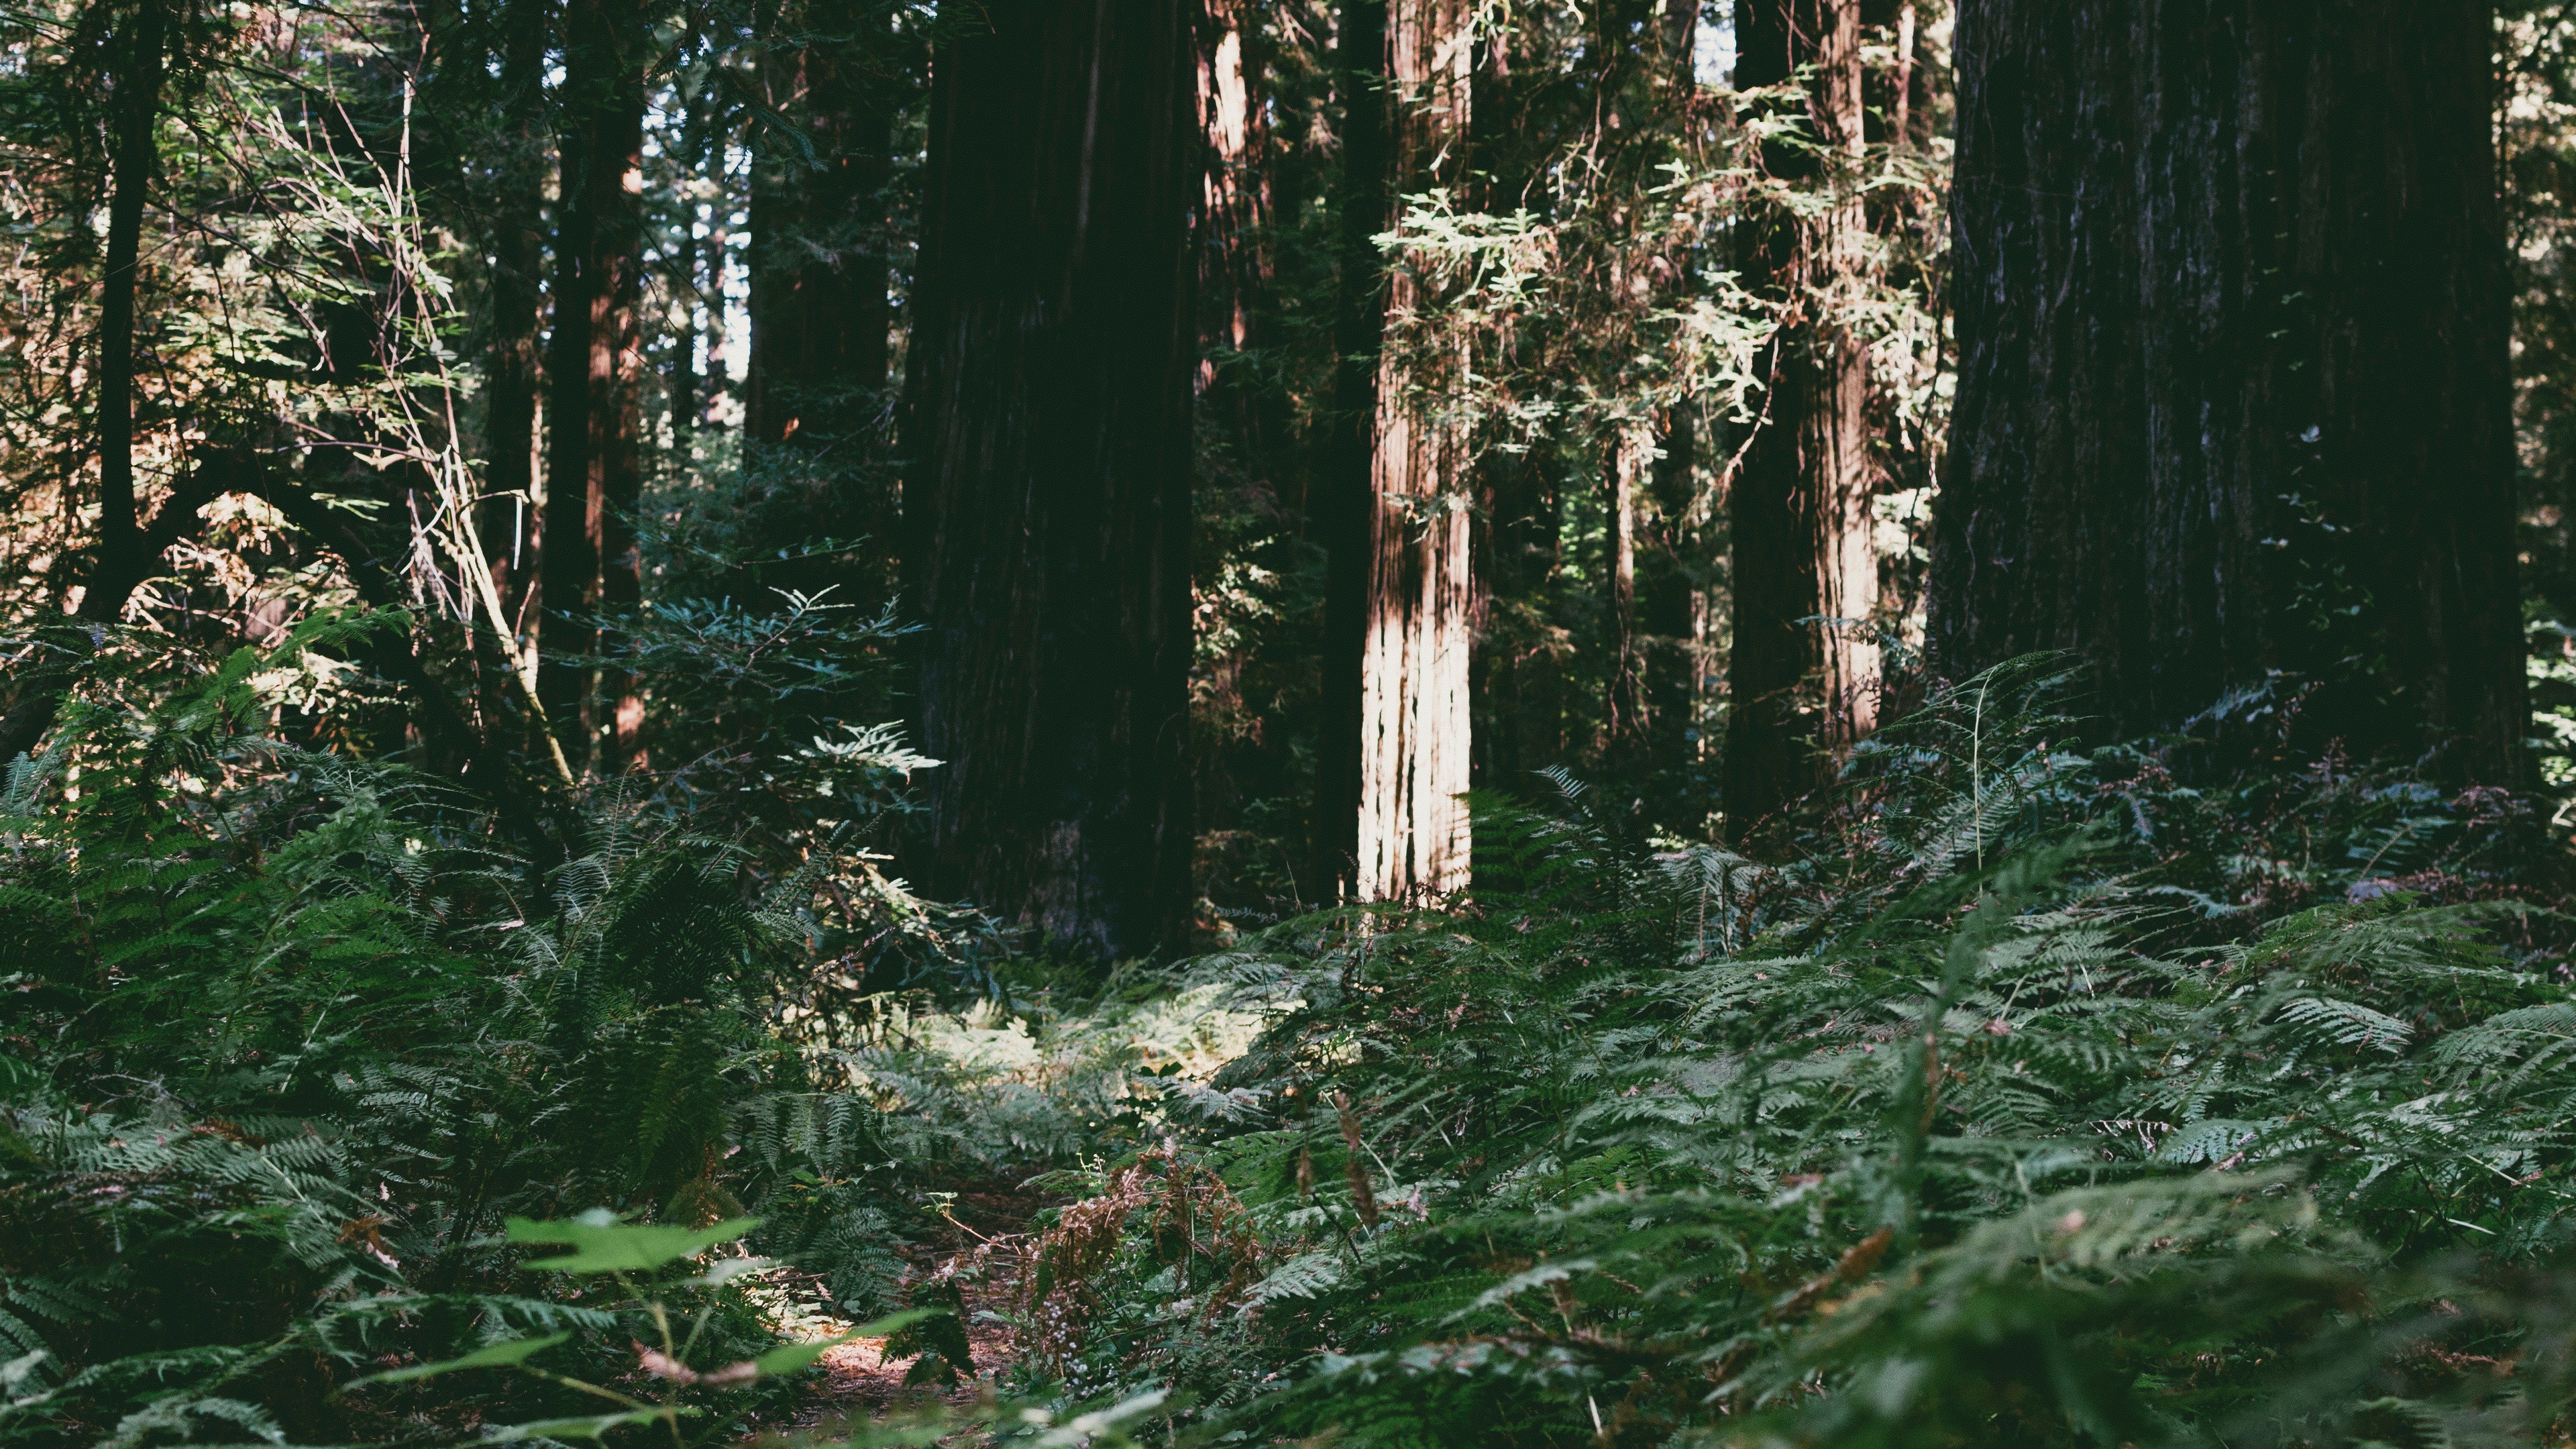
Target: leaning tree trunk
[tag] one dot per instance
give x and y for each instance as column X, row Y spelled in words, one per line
column 2233, row 392
column 1414, row 722
column 1801, row 684
column 1048, row 500
column 594, row 472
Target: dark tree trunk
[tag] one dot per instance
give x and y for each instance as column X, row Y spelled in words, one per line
column 2230, row 284
column 1798, row 691
column 126, row 548
column 1048, row 502
column 510, row 390
column 1343, row 496
column 594, row 473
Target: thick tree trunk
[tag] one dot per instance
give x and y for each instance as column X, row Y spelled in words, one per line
column 594, row 473
column 1048, row 503
column 1415, row 734
column 1344, row 499
column 2233, row 395
column 1800, row 691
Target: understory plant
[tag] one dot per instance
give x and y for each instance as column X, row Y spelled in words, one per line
column 2002, row 1127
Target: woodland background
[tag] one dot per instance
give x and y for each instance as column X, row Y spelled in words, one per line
column 1441, row 721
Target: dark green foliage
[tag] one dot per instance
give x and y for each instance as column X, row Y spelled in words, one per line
column 1890, row 1146
column 289, row 1038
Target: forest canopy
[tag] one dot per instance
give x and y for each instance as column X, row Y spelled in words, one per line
column 1411, row 722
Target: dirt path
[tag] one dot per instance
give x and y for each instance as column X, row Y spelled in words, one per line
column 981, row 1249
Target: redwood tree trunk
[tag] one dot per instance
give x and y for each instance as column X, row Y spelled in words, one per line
column 1048, row 500
column 2233, row 395
column 1345, row 497
column 1798, row 690
column 594, row 472
column 1414, row 724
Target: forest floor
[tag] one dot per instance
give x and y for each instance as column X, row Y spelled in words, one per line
column 980, row 1248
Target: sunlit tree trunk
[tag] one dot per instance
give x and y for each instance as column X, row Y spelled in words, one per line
column 1414, row 729
column 2231, row 298
column 594, row 473
column 1625, row 720
column 1799, row 691
column 1048, row 501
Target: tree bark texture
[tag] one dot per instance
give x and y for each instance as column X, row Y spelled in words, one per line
column 1415, row 734
column 1345, row 494
column 1799, row 690
column 594, row 457
column 1048, row 503
column 2231, row 299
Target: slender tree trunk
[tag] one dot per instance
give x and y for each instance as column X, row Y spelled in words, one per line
column 510, row 388
column 138, row 115
column 1799, row 691
column 1626, row 720
column 1415, row 735
column 595, row 456
column 1670, row 583
column 1048, row 503
column 2234, row 389
column 1234, row 221
column 125, row 548
column 1345, row 498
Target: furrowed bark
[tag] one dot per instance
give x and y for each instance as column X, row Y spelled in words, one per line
column 2234, row 390
column 1415, row 731
column 1048, row 504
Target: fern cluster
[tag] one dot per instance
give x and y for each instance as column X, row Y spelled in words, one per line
column 1997, row 1126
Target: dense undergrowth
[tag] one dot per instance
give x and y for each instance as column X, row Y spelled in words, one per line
column 2020, row 1093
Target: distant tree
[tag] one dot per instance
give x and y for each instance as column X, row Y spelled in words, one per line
column 1799, row 507
column 1047, row 496
column 2233, row 384
column 595, row 417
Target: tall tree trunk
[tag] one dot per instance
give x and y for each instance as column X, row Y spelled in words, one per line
column 1048, row 504
column 1234, row 221
column 2231, row 301
column 510, row 390
column 1799, row 507
column 1414, row 726
column 1624, row 461
column 1345, row 501
column 125, row 547
column 594, row 474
